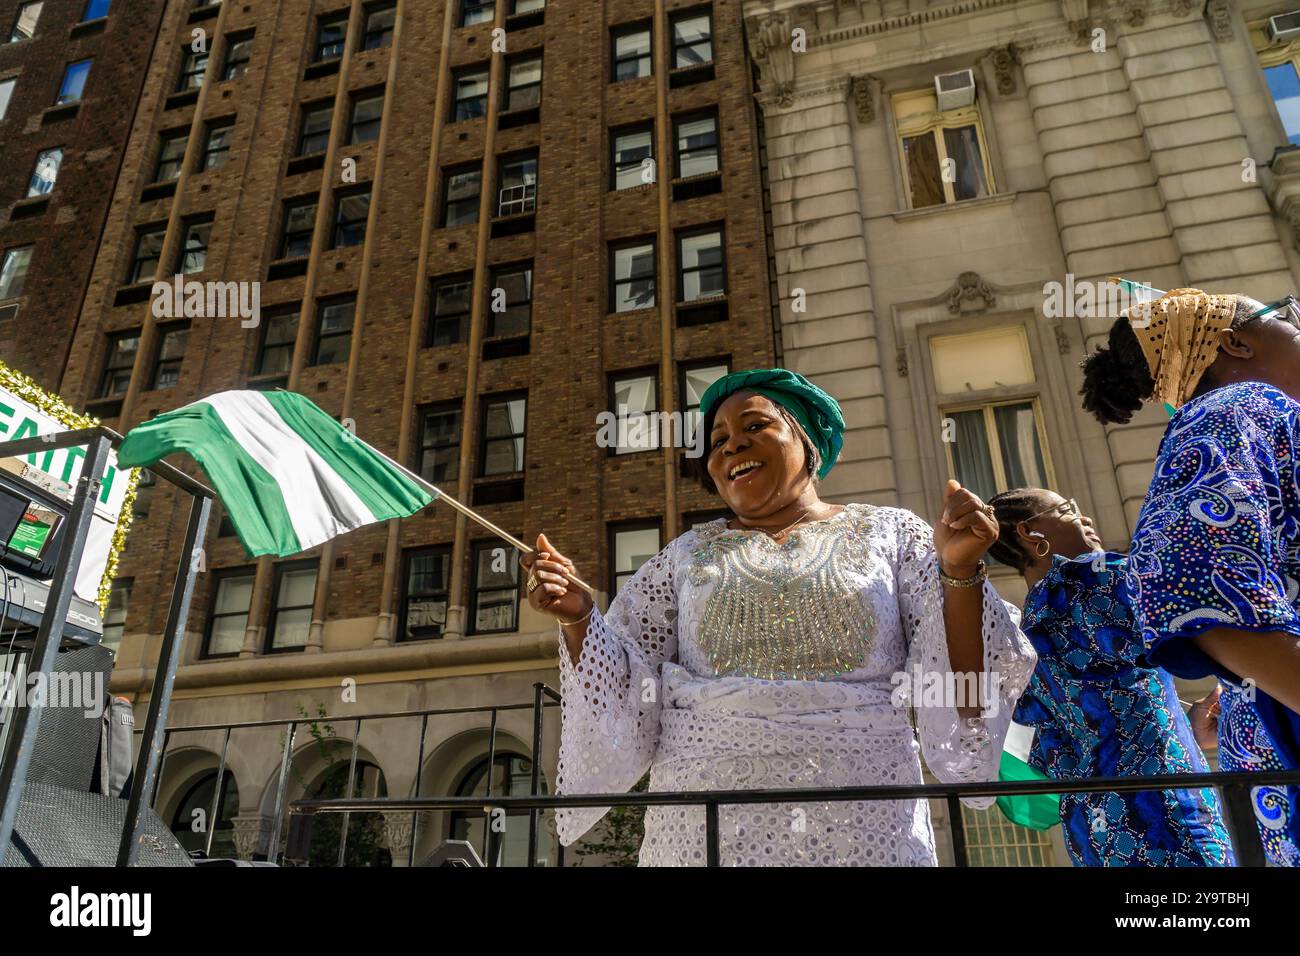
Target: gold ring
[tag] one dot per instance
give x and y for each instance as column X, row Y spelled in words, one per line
column 991, row 512
column 533, row 583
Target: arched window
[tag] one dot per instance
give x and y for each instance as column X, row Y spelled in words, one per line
column 507, row 843
column 367, row 843
column 191, row 828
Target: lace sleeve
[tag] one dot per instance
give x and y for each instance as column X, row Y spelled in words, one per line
column 957, row 749
column 610, row 709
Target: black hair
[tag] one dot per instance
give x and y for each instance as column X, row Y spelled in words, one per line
column 812, row 458
column 1117, row 379
column 1011, row 508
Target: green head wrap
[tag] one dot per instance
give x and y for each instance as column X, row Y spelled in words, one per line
column 817, row 412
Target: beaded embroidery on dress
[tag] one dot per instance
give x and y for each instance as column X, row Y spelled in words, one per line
column 784, row 611
column 645, row 694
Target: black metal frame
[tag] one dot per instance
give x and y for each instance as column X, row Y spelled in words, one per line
column 16, row 759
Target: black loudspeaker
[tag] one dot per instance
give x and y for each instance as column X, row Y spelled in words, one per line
column 61, row 827
column 67, row 742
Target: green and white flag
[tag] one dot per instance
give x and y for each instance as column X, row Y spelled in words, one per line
column 1040, row 811
column 290, row 476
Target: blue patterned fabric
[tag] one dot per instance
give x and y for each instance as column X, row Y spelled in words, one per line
column 1102, row 711
column 1218, row 542
column 1244, row 745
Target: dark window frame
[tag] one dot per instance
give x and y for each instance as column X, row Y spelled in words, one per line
column 529, row 203
column 221, row 124
column 158, row 361
column 308, row 109
column 166, row 137
column 233, row 41
column 612, row 530
column 466, row 8
column 359, row 98
column 133, row 273
column 385, row 34
column 485, row 403
column 449, row 173
column 494, row 274
column 439, row 408
column 194, row 66
column 108, row 367
column 338, row 222
column 321, row 46
column 691, row 117
column 475, row 588
column 282, row 569
column 210, row 619
column 462, row 318
column 479, row 99
column 647, row 371
column 614, row 282
column 59, row 100
column 259, row 359
column 408, row 558
column 681, row 269
column 286, row 236
column 507, row 90
column 614, row 166
column 318, row 335
column 187, row 226
column 674, row 46
column 620, row 31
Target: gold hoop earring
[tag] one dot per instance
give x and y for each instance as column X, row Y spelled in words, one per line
column 1043, row 548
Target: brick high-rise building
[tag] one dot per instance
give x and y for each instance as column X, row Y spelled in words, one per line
column 70, row 77
column 473, row 229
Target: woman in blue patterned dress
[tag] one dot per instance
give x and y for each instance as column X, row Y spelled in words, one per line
column 1099, row 708
column 1215, row 565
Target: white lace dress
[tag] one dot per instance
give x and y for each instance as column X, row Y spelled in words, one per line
column 731, row 662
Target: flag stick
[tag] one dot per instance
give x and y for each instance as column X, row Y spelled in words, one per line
column 439, row 495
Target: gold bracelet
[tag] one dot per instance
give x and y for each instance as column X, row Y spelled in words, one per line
column 970, row 582
column 579, row 620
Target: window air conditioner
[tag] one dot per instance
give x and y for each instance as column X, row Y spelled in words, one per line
column 955, row 90
column 1283, row 27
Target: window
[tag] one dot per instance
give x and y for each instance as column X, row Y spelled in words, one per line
column 1281, row 67
column 695, row 381
column 45, row 173
column 476, row 11
column 194, row 254
column 96, row 9
column 351, row 212
column 275, row 352
column 13, row 271
column 148, row 249
column 630, row 547
column 334, row 330
column 523, row 84
column 6, row 94
column 692, row 40
column 471, row 93
column 331, row 32
column 118, row 363
column 450, row 308
column 631, row 52
column 424, row 599
column 460, row 202
column 25, row 25
column 232, row 596
column 239, row 50
column 315, row 135
column 193, row 65
column 293, row 593
column 495, row 599
column 631, row 148
column 993, row 840
column 697, row 145
column 633, row 271
column 942, row 153
column 518, row 7
column 505, row 845
column 503, row 436
column 380, row 20
column 119, row 599
column 367, row 113
column 439, row 443
column 996, row 443
column 633, row 397
column 701, row 272
column 299, row 223
column 517, row 186
column 74, row 82
column 216, row 149
column 512, row 291
column 171, row 352
column 171, row 155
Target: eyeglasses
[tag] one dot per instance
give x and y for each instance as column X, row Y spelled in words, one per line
column 1066, row 509
column 1288, row 306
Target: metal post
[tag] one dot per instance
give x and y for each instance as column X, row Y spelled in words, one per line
column 487, row 810
column 162, row 766
column 216, row 797
column 711, row 834
column 958, row 826
column 160, row 697
column 419, row 772
column 1239, row 817
column 280, row 789
column 536, row 780
column 352, row 776
column 27, row 720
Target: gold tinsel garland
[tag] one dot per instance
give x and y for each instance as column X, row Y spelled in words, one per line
column 26, row 389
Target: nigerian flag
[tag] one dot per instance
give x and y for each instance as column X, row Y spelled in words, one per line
column 1040, row 811
column 289, row 475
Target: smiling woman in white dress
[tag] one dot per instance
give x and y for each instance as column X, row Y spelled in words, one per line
column 776, row 649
